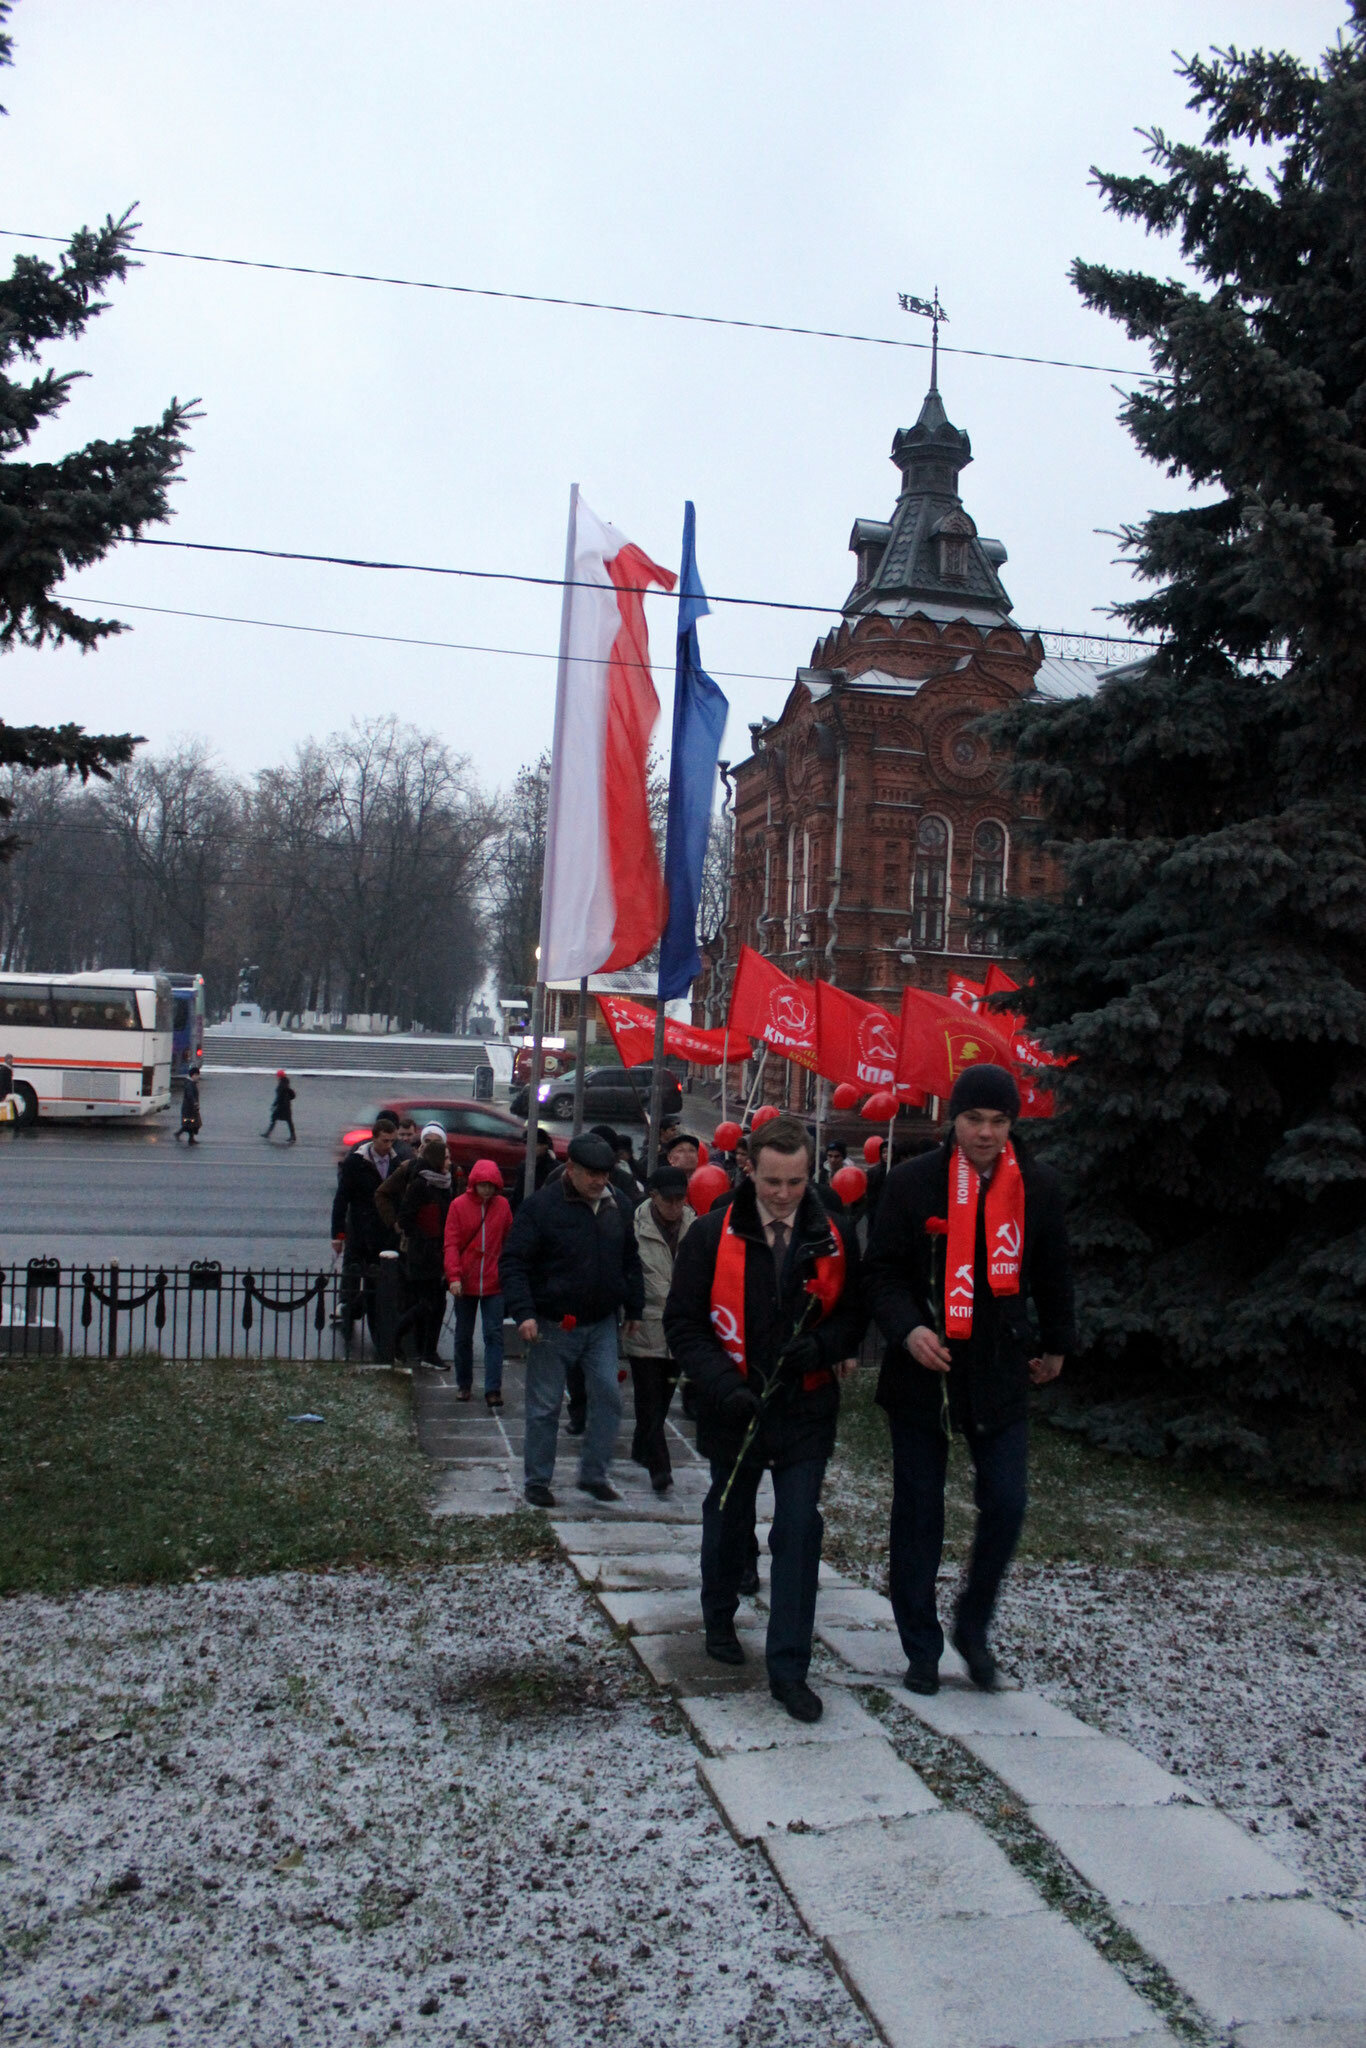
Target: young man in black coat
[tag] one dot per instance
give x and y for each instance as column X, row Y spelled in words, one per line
column 764, row 1316
column 359, row 1233
column 960, row 1353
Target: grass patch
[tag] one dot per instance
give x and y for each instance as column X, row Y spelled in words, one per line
column 536, row 1689
column 139, row 1471
column 1092, row 1506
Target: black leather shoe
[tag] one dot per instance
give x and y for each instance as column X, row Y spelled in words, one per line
column 800, row 1701
column 575, row 1425
column 982, row 1669
column 662, row 1482
column 538, row 1495
column 923, row 1678
column 749, row 1584
column 599, row 1489
column 724, row 1644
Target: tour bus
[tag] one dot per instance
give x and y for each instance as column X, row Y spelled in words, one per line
column 187, row 1023
column 88, row 1045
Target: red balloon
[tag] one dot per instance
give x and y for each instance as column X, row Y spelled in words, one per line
column 846, row 1096
column 850, row 1184
column 872, row 1149
column 763, row 1116
column 880, row 1108
column 726, row 1137
column 707, row 1185
column 703, row 1154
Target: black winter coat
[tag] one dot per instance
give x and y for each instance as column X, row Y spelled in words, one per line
column 422, row 1224
column 989, row 1381
column 798, row 1423
column 353, row 1207
column 565, row 1258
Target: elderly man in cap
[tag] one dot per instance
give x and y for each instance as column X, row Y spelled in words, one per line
column 569, row 1268
column 963, row 1235
column 660, row 1223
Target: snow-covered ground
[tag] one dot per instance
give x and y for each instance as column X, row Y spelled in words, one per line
column 1250, row 1684
column 348, row 1807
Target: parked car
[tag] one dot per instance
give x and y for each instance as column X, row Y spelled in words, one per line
column 474, row 1130
column 613, row 1094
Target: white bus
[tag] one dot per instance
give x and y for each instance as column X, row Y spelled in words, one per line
column 88, row 1045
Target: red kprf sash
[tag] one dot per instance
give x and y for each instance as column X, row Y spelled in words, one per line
column 728, row 1296
column 1005, row 1235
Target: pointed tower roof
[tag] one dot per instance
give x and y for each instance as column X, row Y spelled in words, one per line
column 929, row 557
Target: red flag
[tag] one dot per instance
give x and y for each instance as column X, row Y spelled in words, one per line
column 938, row 1041
column 765, row 1003
column 855, row 1041
column 968, row 993
column 632, row 1026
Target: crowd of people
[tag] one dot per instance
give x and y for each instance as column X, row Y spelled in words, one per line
column 757, row 1299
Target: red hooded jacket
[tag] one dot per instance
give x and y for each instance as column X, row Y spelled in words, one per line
column 475, row 1233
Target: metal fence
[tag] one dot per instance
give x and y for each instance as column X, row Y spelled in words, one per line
column 203, row 1310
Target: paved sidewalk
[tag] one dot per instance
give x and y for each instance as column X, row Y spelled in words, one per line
column 945, row 1939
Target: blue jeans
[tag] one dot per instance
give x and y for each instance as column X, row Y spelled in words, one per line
column 920, row 1459
column 794, row 1542
column 489, row 1308
column 594, row 1347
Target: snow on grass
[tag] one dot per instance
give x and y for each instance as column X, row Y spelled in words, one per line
column 440, row 1804
column 1252, row 1685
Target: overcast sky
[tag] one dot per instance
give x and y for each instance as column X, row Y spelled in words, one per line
column 785, row 160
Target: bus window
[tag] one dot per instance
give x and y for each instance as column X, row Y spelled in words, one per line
column 22, row 1004
column 103, row 1009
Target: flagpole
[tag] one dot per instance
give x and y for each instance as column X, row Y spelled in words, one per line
column 725, row 1062
column 656, row 1085
column 758, row 1077
column 533, row 1097
column 579, row 1069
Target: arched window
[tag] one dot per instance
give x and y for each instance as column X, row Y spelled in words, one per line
column 988, row 880
column 930, row 890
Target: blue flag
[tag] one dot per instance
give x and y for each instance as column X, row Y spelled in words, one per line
column 699, row 721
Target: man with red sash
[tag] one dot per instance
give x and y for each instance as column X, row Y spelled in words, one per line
column 964, row 1235
column 764, row 1316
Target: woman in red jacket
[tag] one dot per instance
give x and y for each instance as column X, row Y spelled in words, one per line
column 477, row 1223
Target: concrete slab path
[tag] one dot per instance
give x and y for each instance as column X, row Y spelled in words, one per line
column 944, row 1939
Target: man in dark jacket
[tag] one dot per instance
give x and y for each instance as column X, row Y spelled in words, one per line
column 358, row 1232
column 569, row 1266
column 764, row 1317
column 963, row 1234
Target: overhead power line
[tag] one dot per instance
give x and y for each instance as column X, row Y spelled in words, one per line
column 476, row 291
column 1063, row 636
column 210, row 547
column 388, row 639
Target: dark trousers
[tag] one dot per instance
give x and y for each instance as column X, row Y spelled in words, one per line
column 425, row 1313
column 488, row 1309
column 576, row 1395
column 652, row 1381
column 795, row 1545
column 357, row 1291
column 920, row 1458
column 280, row 1116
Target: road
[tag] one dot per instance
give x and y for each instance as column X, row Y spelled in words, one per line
column 136, row 1193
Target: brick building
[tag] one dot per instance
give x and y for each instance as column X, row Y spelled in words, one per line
column 869, row 813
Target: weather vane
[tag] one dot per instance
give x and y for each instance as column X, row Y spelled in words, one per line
column 934, row 313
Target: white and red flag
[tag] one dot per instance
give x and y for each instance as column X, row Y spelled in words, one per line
column 603, row 903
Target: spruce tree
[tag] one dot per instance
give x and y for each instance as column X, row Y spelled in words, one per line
column 63, row 514
column 1206, row 958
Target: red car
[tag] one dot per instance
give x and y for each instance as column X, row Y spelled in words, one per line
column 474, row 1130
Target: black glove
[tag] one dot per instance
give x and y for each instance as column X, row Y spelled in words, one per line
column 803, row 1355
column 741, row 1407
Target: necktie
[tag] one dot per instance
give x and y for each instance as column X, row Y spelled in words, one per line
column 781, row 1233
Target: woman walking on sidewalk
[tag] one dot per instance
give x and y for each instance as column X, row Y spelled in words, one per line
column 282, row 1108
column 476, row 1226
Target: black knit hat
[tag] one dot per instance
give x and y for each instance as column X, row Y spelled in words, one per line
column 985, row 1087
column 595, row 1154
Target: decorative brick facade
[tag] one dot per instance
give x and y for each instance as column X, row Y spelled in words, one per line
column 926, row 646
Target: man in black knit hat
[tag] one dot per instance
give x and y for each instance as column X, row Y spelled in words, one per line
column 963, row 1235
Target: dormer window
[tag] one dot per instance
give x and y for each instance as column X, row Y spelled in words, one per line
column 953, row 558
